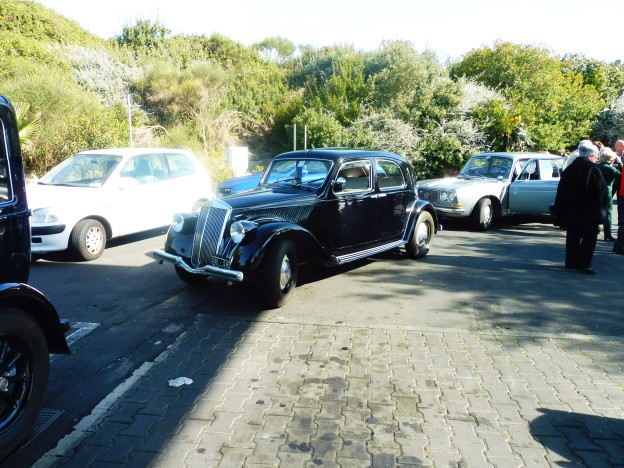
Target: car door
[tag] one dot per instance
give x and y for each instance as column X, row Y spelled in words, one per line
column 141, row 195
column 346, row 221
column 535, row 188
column 391, row 200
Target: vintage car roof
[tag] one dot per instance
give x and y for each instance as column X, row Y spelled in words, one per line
column 336, row 154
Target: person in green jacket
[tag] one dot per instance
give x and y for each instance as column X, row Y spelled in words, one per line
column 610, row 173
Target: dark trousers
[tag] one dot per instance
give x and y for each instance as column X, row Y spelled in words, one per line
column 580, row 245
column 619, row 243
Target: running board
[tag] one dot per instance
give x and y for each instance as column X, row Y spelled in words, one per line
column 368, row 252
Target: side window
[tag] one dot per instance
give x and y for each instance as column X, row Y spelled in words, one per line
column 5, row 180
column 550, row 169
column 179, row 165
column 145, row 169
column 529, row 171
column 357, row 175
column 389, row 174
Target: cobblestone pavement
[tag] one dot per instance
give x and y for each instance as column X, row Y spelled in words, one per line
column 309, row 395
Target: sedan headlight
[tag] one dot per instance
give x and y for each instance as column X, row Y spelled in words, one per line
column 240, row 229
column 452, row 197
column 45, row 215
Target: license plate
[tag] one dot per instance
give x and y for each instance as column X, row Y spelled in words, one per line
column 220, row 262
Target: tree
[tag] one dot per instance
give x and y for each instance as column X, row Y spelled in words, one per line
column 554, row 107
column 143, row 35
column 275, row 49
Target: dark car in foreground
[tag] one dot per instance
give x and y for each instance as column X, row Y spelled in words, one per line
column 331, row 206
column 29, row 324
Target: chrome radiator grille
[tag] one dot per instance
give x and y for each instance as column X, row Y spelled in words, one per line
column 208, row 241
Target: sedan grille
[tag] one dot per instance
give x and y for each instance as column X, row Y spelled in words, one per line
column 211, row 224
column 431, row 196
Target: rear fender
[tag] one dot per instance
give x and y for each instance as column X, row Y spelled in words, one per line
column 419, row 207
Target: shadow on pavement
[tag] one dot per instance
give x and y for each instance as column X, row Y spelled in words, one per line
column 589, row 440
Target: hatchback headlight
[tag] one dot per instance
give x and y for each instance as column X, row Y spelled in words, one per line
column 45, row 215
column 240, row 229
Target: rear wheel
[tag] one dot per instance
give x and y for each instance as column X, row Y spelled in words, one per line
column 280, row 273
column 24, row 370
column 88, row 240
column 483, row 214
column 419, row 243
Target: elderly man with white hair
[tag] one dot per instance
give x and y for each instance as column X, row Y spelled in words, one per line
column 581, row 206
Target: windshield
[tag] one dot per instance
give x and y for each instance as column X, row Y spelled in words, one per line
column 82, row 170
column 298, row 172
column 487, row 167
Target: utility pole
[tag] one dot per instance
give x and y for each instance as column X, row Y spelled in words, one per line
column 130, row 121
column 294, row 137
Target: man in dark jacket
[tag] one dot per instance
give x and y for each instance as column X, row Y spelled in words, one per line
column 581, row 206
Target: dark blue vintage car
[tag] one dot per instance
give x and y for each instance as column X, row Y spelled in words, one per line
column 331, row 206
column 29, row 324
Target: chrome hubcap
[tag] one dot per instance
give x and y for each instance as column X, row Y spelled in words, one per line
column 285, row 273
column 4, row 384
column 94, row 240
column 422, row 236
column 486, row 214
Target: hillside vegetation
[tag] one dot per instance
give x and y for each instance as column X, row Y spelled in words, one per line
column 204, row 93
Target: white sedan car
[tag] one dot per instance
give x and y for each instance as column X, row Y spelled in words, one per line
column 96, row 195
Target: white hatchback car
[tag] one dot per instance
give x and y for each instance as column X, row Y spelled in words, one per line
column 96, row 195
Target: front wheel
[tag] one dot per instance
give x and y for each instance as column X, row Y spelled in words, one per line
column 280, row 273
column 420, row 241
column 24, row 370
column 88, row 240
column 483, row 214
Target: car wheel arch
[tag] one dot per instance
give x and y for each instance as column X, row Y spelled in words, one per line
column 103, row 221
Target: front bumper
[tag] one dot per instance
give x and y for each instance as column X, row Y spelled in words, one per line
column 208, row 270
column 452, row 212
column 49, row 238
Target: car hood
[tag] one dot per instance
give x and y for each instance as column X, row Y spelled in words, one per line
column 270, row 196
column 453, row 183
column 42, row 196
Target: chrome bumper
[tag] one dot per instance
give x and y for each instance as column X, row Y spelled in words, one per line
column 450, row 211
column 208, row 270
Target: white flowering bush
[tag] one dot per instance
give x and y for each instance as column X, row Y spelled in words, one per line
column 609, row 124
column 98, row 72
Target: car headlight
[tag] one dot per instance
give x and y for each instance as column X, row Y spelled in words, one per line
column 240, row 229
column 178, row 222
column 443, row 196
column 45, row 215
column 451, row 197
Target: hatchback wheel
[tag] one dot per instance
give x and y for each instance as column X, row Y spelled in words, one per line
column 88, row 240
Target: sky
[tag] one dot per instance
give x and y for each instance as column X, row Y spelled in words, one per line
column 450, row 28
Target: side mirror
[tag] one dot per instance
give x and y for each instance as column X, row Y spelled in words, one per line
column 339, row 184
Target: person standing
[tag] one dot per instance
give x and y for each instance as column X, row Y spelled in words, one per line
column 610, row 173
column 618, row 247
column 581, row 206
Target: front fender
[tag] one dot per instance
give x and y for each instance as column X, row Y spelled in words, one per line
column 418, row 207
column 30, row 300
column 248, row 257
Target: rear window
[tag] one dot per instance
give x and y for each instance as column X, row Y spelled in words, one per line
column 179, row 165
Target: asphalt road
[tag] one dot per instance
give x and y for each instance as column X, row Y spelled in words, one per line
column 126, row 309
